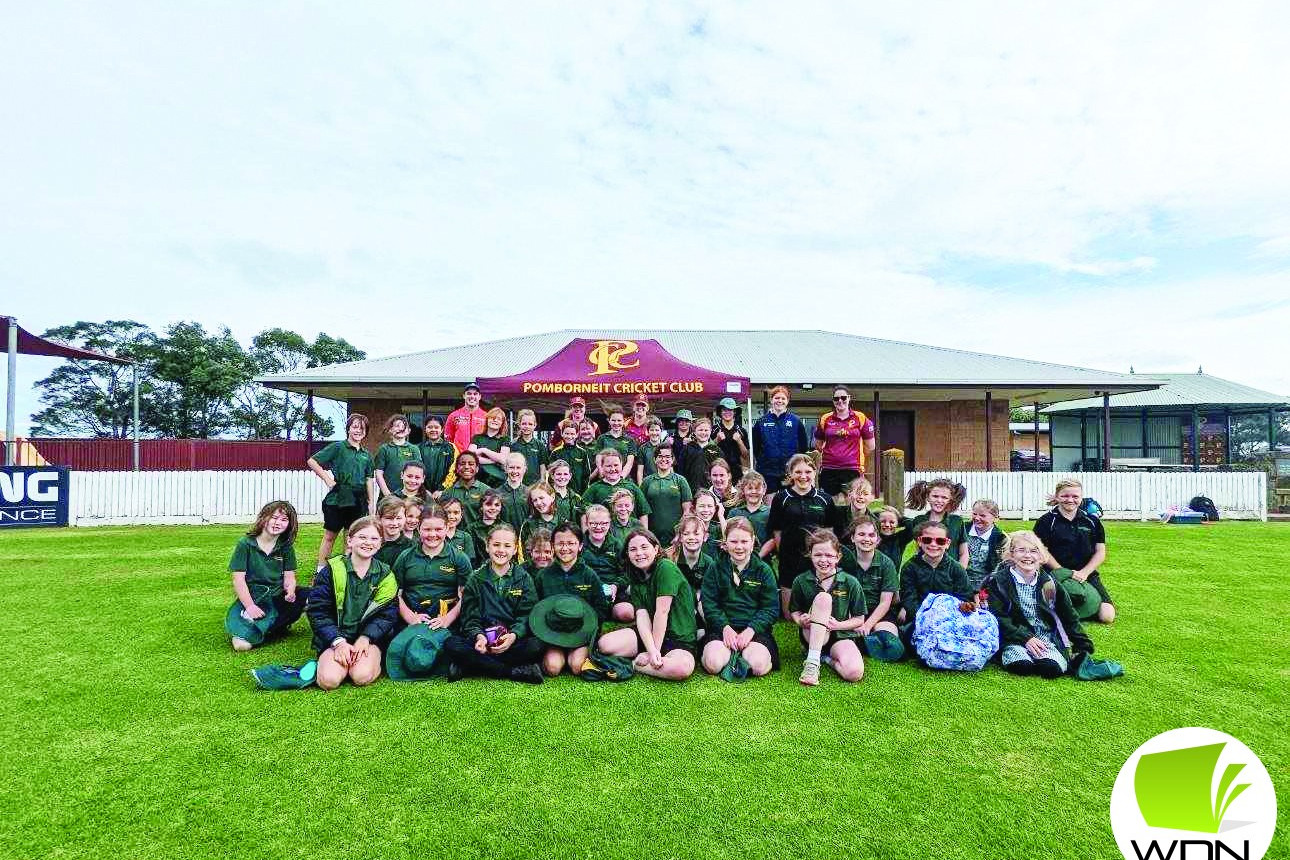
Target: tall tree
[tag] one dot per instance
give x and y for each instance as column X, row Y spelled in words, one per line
column 197, row 376
column 93, row 398
column 262, row 413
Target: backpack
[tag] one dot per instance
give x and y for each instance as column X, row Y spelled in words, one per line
column 1204, row 505
column 1091, row 507
column 945, row 638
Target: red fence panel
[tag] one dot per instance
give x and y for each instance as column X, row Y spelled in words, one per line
column 172, row 455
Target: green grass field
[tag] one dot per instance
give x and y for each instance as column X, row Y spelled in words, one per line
column 130, row 729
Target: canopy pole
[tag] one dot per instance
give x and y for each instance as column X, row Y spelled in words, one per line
column 309, row 417
column 877, row 442
column 11, row 397
column 1050, row 436
column 134, row 397
column 1106, row 430
column 748, row 423
column 1195, row 439
column 989, row 458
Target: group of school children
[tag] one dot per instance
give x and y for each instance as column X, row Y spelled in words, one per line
column 645, row 551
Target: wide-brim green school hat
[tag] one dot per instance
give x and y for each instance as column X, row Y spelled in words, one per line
column 241, row 627
column 277, row 676
column 1084, row 597
column 412, row 654
column 564, row 621
column 736, row 668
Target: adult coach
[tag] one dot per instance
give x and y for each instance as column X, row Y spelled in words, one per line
column 467, row 421
column 844, row 438
column 778, row 435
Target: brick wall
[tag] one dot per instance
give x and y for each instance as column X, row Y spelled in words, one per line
column 377, row 412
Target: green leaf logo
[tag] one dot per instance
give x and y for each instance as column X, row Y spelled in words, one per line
column 1174, row 789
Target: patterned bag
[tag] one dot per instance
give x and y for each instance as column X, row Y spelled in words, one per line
column 945, row 638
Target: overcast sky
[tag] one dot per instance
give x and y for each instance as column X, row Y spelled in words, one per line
column 1098, row 184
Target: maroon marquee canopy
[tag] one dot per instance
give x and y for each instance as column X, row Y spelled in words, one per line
column 616, row 370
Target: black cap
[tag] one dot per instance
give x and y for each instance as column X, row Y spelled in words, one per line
column 470, row 386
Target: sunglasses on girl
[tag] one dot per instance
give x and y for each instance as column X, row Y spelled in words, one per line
column 840, row 398
column 934, row 541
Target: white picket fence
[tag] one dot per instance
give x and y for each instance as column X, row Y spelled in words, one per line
column 1122, row 495
column 126, row 498
column 129, row 498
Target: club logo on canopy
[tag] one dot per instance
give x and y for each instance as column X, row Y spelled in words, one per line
column 607, row 356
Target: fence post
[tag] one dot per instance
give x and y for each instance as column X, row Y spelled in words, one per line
column 207, row 480
column 1142, row 496
column 1025, row 495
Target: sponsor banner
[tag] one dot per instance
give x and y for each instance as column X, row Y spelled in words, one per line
column 33, row 496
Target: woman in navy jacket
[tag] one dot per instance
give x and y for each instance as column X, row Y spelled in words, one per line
column 777, row 436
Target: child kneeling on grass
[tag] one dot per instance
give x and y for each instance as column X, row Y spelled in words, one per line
column 1038, row 627
column 352, row 609
column 263, row 567
column 740, row 605
column 829, row 607
column 569, row 575
column 664, row 640
column 495, row 640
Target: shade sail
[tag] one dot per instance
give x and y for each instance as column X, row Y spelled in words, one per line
column 30, row 344
column 615, row 370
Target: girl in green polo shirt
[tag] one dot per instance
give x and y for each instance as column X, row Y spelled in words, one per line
column 664, row 641
column 711, row 513
column 347, row 470
column 750, row 503
column 394, row 454
column 391, row 517
column 457, row 535
column 492, row 448
column 543, row 513
column 622, row 506
column 942, row 498
column 263, row 568
column 568, row 503
column 688, row 552
column 353, row 609
column 413, row 479
column 828, row 605
column 720, row 483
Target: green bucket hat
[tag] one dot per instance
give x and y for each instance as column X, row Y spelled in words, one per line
column 412, row 654
column 564, row 620
column 1092, row 669
column 736, row 668
column 885, row 646
column 600, row 666
column 239, row 626
column 1084, row 597
column 684, row 415
column 279, row 677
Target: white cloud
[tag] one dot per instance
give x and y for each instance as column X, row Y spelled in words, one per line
column 409, row 177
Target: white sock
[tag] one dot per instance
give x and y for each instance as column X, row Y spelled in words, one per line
column 813, row 655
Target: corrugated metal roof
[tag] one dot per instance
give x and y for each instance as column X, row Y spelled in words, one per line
column 817, row 357
column 1182, row 391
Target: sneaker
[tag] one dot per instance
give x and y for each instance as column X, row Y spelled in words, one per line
column 810, row 674
column 528, row 674
column 454, row 672
column 826, row 660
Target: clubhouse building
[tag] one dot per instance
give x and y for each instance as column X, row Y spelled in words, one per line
column 946, row 409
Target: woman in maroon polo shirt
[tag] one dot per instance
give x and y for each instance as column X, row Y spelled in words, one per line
column 844, row 438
